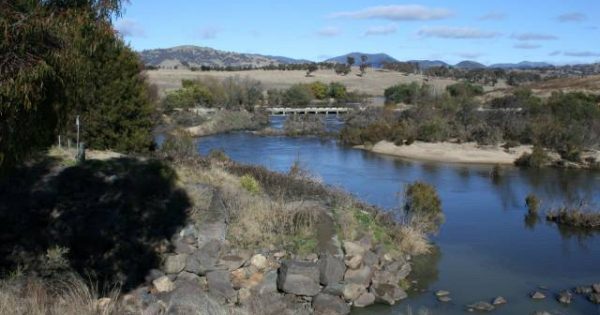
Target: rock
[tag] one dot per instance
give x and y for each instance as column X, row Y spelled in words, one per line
column 444, row 299
column 153, row 274
column 336, row 289
column 279, row 255
column 299, row 278
column 594, row 298
column 564, row 297
column 188, row 276
column 155, row 308
column 175, row 263
column 232, row 262
column 583, row 290
column 190, row 299
column 537, row 295
column 219, row 285
column 353, row 249
column 596, row 287
column 481, row 306
column 399, row 269
column 360, row 276
column 353, row 262
column 353, row 291
column 440, row 293
column 259, row 262
column 269, row 283
column 370, row 259
column 182, row 246
column 244, row 295
column 499, row 300
column 541, row 313
column 366, row 243
column 325, row 304
column 204, row 259
column 163, row 284
column 388, row 293
column 364, row 300
column 331, row 269
column 312, row 257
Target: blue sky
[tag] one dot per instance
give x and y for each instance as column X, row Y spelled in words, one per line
column 488, row 31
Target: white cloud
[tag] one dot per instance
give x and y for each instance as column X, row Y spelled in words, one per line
column 533, row 36
column 572, row 17
column 129, row 28
column 582, row 54
column 410, row 12
column 209, row 32
column 455, row 32
column 380, row 30
column 527, row 46
column 329, row 31
column 494, row 15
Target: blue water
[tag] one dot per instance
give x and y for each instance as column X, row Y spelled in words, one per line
column 485, row 248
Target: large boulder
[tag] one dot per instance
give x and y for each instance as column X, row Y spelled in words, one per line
column 331, row 269
column 232, row 262
column 365, row 300
column 353, row 291
column 204, row 259
column 387, row 293
column 175, row 263
column 353, row 249
column 268, row 284
column 299, row 278
column 220, row 286
column 360, row 276
column 189, row 298
column 163, row 284
column 325, row 304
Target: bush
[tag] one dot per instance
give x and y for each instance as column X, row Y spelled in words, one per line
column 250, row 184
column 178, row 146
column 405, row 93
column 575, row 217
column 537, row 158
column 319, row 90
column 533, row 203
column 422, row 203
column 464, row 89
column 337, row 90
column 298, row 95
column 218, row 155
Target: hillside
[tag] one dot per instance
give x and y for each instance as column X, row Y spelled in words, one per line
column 375, row 60
column 194, row 56
column 469, row 65
column 426, row 64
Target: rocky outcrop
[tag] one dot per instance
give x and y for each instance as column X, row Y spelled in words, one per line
column 299, row 278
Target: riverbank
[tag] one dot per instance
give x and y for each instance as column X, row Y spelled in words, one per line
column 468, row 153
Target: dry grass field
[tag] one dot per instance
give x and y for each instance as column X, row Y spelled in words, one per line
column 373, row 83
column 589, row 84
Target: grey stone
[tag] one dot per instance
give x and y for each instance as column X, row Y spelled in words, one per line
column 387, row 293
column 583, row 290
column 336, row 289
column 331, row 305
column 188, row 276
column 400, row 269
column 204, row 259
column 163, row 284
column 360, row 276
column 153, row 274
column 481, row 306
column 353, row 262
column 370, row 259
column 541, row 313
column 190, row 299
column 331, row 269
column 175, row 263
column 596, row 287
column 444, row 299
column 352, row 291
column 439, row 293
column 365, row 300
column 499, row 300
column 219, row 284
column 269, row 283
column 564, row 297
column 232, row 262
column 182, row 246
column 594, row 298
column 353, row 249
column 299, row 278
column 537, row 295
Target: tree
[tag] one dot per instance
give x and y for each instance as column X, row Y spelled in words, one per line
column 341, row 69
column 363, row 65
column 311, row 68
column 298, row 95
column 350, row 61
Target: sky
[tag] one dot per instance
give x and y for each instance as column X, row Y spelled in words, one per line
column 487, row 31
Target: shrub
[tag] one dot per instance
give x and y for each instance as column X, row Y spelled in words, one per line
column 422, row 203
column 298, row 95
column 537, row 158
column 575, row 217
column 533, row 203
column 405, row 93
column 337, row 90
column 464, row 89
column 218, row 155
column 250, row 184
column 178, row 146
column 319, row 90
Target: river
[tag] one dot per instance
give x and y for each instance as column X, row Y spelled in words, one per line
column 487, row 245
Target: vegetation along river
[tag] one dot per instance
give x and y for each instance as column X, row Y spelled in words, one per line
column 487, row 246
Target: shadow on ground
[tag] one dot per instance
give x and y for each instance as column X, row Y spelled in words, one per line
column 112, row 216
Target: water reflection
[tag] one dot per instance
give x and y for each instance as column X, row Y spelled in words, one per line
column 425, row 270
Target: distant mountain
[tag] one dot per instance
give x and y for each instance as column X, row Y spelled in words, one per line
column 426, row 64
column 194, row 56
column 288, row 61
column 469, row 65
column 375, row 60
column 521, row 65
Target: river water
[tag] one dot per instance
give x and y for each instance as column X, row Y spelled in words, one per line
column 487, row 245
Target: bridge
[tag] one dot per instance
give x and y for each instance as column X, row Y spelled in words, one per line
column 308, row 110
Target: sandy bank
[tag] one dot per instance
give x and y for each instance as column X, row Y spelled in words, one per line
column 451, row 152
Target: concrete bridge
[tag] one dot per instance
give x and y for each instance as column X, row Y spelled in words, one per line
column 308, row 110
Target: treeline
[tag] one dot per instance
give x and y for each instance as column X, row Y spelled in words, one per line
column 567, row 123
column 236, row 93
column 487, row 76
column 281, row 67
